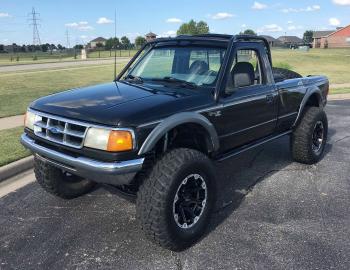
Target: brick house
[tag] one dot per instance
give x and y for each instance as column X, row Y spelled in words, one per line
column 290, row 41
column 273, row 42
column 318, row 36
column 337, row 39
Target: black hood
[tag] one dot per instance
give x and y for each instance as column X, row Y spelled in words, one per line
column 119, row 103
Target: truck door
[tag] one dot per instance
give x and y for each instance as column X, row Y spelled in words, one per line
column 248, row 98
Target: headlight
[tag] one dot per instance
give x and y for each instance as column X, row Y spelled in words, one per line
column 29, row 120
column 109, row 140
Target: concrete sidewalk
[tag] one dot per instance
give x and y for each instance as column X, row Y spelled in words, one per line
column 11, row 122
column 98, row 61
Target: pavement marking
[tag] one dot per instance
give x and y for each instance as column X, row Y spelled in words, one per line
column 17, row 182
column 11, row 122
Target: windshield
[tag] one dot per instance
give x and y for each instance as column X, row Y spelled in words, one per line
column 197, row 65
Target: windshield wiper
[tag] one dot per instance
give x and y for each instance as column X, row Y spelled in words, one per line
column 169, row 79
column 132, row 78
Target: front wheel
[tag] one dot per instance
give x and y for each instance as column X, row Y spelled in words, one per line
column 309, row 139
column 59, row 183
column 175, row 202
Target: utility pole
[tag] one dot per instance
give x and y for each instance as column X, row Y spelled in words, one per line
column 68, row 41
column 34, row 19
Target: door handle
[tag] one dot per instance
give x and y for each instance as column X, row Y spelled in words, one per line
column 269, row 98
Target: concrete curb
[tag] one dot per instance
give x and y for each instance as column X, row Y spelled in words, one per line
column 16, row 167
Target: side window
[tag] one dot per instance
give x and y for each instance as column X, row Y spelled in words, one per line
column 245, row 71
column 212, row 58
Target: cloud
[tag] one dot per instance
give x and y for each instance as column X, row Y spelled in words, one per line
column 243, row 25
column 259, row 6
column 104, row 20
column 82, row 26
column 170, row 33
column 290, row 22
column 270, row 28
column 294, row 27
column 221, row 16
column 132, row 36
column 342, row 2
column 4, row 15
column 334, row 22
column 174, row 20
column 297, row 10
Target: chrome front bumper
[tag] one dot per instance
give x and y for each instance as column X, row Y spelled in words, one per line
column 118, row 173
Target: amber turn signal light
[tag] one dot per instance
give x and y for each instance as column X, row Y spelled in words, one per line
column 120, row 140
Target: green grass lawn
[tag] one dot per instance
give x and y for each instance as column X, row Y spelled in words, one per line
column 17, row 90
column 334, row 63
column 10, row 147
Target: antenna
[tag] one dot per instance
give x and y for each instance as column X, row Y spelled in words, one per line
column 115, row 44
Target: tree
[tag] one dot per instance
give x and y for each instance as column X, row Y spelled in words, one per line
column 193, row 28
column 307, row 38
column 125, row 42
column 112, row 43
column 140, row 41
column 14, row 47
column 2, row 47
column 248, row 32
column 99, row 45
column 52, row 47
column 59, row 47
column 78, row 47
column 45, row 47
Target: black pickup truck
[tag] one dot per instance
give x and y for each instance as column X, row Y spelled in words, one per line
column 155, row 131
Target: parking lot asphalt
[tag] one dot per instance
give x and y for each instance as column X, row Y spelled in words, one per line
column 272, row 213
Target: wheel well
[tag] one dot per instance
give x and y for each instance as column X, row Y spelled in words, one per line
column 188, row 135
column 313, row 101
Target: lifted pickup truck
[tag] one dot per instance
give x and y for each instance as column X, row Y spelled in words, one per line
column 179, row 104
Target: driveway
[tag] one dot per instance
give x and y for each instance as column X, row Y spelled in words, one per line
column 272, row 213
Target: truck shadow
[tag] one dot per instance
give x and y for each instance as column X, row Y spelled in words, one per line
column 238, row 176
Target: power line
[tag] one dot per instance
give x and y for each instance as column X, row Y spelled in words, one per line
column 34, row 22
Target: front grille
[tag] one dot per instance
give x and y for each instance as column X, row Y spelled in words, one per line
column 59, row 130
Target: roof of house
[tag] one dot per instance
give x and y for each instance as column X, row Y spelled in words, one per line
column 269, row 38
column 339, row 29
column 99, row 39
column 151, row 34
column 319, row 34
column 290, row 39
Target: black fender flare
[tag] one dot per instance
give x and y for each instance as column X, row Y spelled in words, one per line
column 175, row 120
column 308, row 94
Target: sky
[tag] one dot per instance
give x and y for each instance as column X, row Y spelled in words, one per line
column 85, row 20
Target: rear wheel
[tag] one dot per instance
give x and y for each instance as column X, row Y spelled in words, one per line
column 59, row 183
column 310, row 136
column 175, row 202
